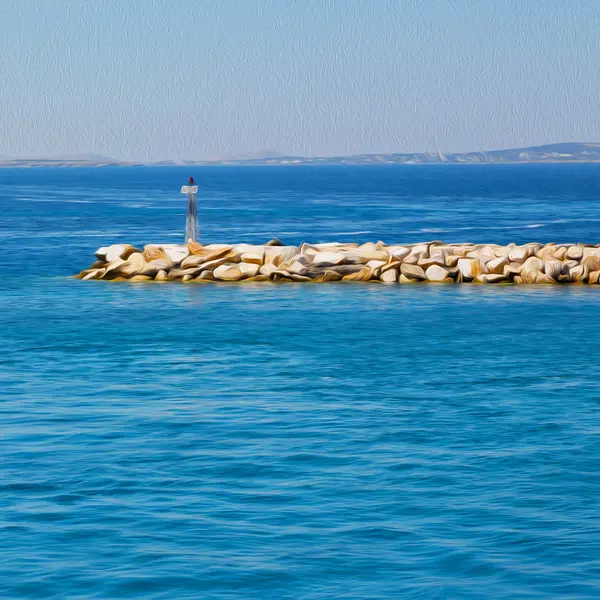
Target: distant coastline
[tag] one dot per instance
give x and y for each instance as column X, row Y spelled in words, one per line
column 567, row 152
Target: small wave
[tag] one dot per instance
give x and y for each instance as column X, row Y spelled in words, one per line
column 534, row 226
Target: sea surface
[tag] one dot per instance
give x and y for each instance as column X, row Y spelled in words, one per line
column 295, row 441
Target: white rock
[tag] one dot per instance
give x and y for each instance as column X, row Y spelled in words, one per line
column 575, row 252
column 228, row 272
column 520, row 253
column 469, row 268
column 248, row 269
column 175, row 252
column 328, row 258
column 436, row 273
column 412, row 271
column 111, row 253
column 399, row 252
column 389, row 276
column 496, row 266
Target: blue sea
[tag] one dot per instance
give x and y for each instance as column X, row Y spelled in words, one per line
column 296, row 441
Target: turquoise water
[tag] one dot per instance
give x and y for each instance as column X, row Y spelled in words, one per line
column 293, row 441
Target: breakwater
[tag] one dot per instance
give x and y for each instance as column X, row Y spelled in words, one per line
column 433, row 262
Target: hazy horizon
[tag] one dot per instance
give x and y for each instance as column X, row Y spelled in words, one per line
column 199, row 80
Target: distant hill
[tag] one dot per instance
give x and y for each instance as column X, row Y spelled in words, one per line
column 566, row 152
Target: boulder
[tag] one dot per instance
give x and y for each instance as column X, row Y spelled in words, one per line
column 575, row 252
column 112, row 253
column 594, row 277
column 274, row 242
column 399, row 252
column 520, row 253
column 228, row 272
column 256, row 258
column 532, row 265
column 412, row 271
column 93, row 274
column 161, row 276
column 141, row 278
column 174, row 252
column 365, row 274
column 436, row 273
column 491, row 278
column 496, row 265
column 404, row 279
column 389, row 276
column 469, row 268
column 328, row 258
column 553, row 268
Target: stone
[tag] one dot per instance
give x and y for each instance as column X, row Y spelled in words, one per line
column 399, row 252
column 404, row 279
column 111, row 253
column 365, row 274
column 577, row 274
column 205, row 275
column 161, row 276
column 491, row 278
column 532, row 265
column 389, row 276
column 256, row 258
column 542, row 278
column 141, row 278
column 520, row 254
column 248, row 269
column 93, row 274
column 553, row 268
column 376, row 264
column 469, row 268
column 560, row 253
column 496, row 265
column 228, row 272
column 436, row 273
column 412, row 271
column 328, row 258
column 274, row 242
column 152, row 253
column 594, row 277
column 575, row 252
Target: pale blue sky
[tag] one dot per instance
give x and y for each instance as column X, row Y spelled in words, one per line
column 154, row 79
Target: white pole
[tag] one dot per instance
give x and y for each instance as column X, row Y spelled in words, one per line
column 191, row 220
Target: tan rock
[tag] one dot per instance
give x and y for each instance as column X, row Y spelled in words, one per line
column 152, row 253
column 436, row 273
column 412, row 271
column 560, row 253
column 496, row 265
column 577, row 274
column 469, row 268
column 389, row 276
column 575, row 252
column 405, row 279
column 540, row 277
column 112, row 253
column 365, row 274
column 532, row 265
column 520, row 253
column 256, row 258
column 93, row 274
column 161, row 276
column 328, row 258
column 491, row 277
column 228, row 272
column 553, row 268
column 399, row 252
column 206, row 275
column 141, row 278
column 594, row 277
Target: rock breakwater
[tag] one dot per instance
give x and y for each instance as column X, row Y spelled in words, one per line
column 433, row 262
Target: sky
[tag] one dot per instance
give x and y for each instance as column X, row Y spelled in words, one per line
column 201, row 79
